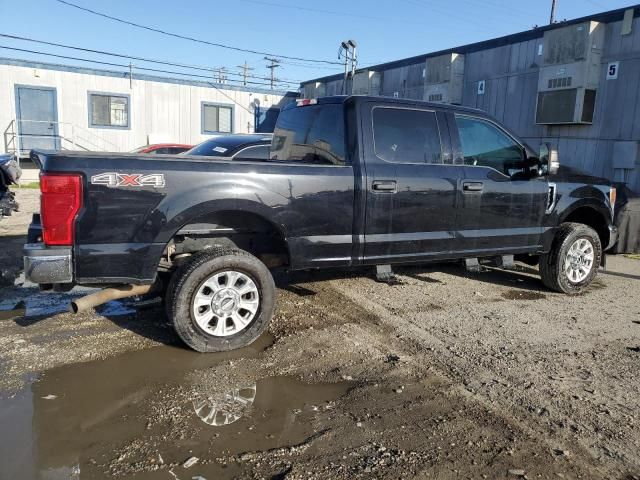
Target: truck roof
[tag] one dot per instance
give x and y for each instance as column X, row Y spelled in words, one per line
column 399, row 101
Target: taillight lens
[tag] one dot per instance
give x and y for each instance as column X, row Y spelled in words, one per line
column 60, row 202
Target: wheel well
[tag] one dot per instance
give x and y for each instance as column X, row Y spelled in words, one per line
column 244, row 230
column 592, row 218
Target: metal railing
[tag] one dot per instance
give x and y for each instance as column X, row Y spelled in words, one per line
column 66, row 136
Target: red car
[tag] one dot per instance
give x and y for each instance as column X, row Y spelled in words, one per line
column 166, row 148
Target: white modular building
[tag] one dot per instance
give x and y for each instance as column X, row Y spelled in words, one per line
column 52, row 106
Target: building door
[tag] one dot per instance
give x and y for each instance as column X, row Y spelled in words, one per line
column 37, row 118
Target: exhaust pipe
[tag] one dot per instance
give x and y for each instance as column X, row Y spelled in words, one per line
column 105, row 295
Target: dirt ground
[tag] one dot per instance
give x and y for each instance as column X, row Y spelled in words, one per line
column 446, row 374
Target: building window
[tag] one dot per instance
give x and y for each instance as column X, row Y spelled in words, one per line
column 107, row 110
column 217, row 118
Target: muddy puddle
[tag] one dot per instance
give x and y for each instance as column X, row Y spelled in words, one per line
column 143, row 413
column 523, row 295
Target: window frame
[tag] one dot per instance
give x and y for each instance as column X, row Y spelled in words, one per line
column 218, row 105
column 394, row 107
column 493, row 123
column 91, row 93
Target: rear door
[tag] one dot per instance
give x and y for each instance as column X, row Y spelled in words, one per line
column 502, row 204
column 37, row 118
column 411, row 184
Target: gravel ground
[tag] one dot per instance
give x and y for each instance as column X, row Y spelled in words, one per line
column 445, row 374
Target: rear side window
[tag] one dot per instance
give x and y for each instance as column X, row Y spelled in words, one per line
column 257, row 152
column 485, row 145
column 310, row 134
column 406, row 136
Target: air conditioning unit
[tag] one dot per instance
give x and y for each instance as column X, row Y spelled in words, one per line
column 314, row 90
column 366, row 82
column 444, row 78
column 570, row 73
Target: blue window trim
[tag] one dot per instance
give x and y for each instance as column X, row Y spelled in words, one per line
column 109, row 94
column 215, row 104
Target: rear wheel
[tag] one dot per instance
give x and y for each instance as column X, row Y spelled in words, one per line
column 221, row 299
column 573, row 261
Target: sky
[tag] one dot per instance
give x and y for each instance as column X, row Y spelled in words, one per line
column 384, row 31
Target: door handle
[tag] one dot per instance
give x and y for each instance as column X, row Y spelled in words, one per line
column 472, row 186
column 384, row 186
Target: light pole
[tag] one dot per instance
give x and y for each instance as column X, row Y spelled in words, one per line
column 552, row 18
column 348, row 49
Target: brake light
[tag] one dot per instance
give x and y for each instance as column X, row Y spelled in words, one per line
column 60, row 202
column 303, row 102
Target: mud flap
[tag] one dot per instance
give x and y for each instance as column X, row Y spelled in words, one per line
column 385, row 274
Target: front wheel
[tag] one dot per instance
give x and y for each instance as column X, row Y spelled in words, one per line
column 221, row 299
column 574, row 258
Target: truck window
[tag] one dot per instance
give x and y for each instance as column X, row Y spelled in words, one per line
column 310, row 134
column 402, row 135
column 485, row 145
column 255, row 152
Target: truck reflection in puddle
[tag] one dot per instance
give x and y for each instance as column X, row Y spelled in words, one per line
column 223, row 411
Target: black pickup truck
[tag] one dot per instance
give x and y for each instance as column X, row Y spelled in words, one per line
column 350, row 181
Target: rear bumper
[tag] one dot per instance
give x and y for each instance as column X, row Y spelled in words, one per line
column 46, row 264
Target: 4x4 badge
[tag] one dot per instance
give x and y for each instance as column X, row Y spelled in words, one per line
column 113, row 179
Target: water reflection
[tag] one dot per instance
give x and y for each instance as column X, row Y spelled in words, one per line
column 117, row 417
column 219, row 411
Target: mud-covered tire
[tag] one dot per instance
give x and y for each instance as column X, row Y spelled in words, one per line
column 191, row 276
column 552, row 264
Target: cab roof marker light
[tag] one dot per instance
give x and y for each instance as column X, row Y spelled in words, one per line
column 303, row 102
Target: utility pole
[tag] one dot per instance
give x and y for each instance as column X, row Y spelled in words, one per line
column 272, row 67
column 131, row 76
column 552, row 19
column 245, row 70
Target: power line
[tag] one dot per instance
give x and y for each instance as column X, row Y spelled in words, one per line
column 192, row 39
column 127, row 66
column 309, row 9
column 133, row 57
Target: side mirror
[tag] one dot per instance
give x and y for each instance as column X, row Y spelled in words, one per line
column 549, row 159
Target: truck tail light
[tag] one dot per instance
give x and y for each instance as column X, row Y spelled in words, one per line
column 60, row 202
column 303, row 102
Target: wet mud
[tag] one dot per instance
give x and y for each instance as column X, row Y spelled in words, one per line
column 84, row 420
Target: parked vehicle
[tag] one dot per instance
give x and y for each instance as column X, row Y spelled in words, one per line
column 163, row 148
column 9, row 174
column 351, row 181
column 251, row 146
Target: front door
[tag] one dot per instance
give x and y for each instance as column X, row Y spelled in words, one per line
column 502, row 206
column 411, row 185
column 37, row 118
